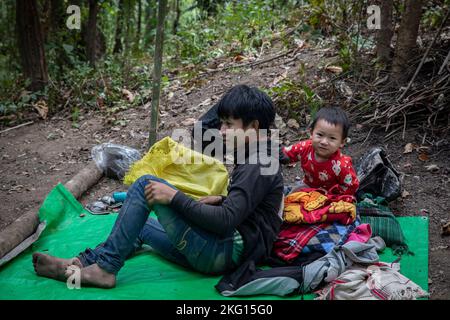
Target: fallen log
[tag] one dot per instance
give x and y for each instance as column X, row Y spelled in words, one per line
column 18, row 232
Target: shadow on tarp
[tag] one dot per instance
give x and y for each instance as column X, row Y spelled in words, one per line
column 146, row 275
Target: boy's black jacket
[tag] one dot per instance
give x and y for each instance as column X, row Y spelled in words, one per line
column 251, row 207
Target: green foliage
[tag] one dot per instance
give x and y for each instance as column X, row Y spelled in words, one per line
column 296, row 97
column 435, row 13
column 234, row 28
column 238, row 27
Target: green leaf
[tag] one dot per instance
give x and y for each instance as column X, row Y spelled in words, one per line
column 68, row 48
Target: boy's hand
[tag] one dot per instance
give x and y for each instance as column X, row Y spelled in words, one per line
column 212, row 200
column 160, row 193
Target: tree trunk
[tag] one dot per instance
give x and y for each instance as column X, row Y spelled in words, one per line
column 128, row 10
column 150, row 14
column 30, row 43
column 138, row 31
column 91, row 35
column 57, row 21
column 118, row 37
column 386, row 32
column 177, row 16
column 406, row 40
column 162, row 9
column 57, row 14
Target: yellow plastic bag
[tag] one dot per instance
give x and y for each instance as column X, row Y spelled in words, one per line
column 193, row 173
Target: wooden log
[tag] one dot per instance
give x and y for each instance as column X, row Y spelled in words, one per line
column 85, row 179
column 22, row 228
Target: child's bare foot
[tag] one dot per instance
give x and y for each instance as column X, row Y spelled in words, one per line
column 53, row 267
column 94, row 276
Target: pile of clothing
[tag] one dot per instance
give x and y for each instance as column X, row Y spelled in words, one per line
column 327, row 252
column 328, row 244
column 315, row 222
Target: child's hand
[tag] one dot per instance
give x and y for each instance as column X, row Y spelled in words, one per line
column 212, row 200
column 157, row 192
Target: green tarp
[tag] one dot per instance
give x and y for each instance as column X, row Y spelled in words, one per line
column 146, row 275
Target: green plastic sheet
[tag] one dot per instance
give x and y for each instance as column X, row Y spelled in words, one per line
column 146, row 275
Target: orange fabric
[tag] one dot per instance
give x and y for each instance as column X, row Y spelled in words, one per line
column 312, row 206
column 310, row 200
column 342, row 206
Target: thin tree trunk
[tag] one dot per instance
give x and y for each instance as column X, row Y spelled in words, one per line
column 162, row 9
column 406, row 41
column 177, row 16
column 138, row 32
column 128, row 9
column 92, row 32
column 57, row 14
column 57, row 26
column 150, row 15
column 118, row 37
column 30, row 42
column 386, row 32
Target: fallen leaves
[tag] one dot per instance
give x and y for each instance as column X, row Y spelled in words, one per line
column 423, row 157
column 128, row 95
column 422, row 150
column 188, row 122
column 293, row 124
column 279, row 123
column 344, row 89
column 432, row 168
column 300, row 44
column 239, row 58
column 334, row 69
column 409, row 148
column 205, row 103
column 42, row 108
column 280, row 78
column 446, row 229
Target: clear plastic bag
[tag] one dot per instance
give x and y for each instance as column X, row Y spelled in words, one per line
column 114, row 160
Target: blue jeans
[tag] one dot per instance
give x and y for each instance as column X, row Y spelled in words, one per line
column 171, row 235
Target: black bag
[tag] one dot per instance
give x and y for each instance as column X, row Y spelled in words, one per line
column 210, row 120
column 377, row 176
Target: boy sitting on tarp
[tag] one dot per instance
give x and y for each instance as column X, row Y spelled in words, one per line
column 214, row 235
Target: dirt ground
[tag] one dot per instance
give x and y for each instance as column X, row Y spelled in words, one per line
column 34, row 158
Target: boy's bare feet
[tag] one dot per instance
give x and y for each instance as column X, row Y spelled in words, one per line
column 53, row 267
column 94, row 276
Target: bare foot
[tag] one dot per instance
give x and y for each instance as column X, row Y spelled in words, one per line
column 94, row 276
column 53, row 267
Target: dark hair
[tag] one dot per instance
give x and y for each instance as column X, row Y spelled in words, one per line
column 335, row 116
column 248, row 104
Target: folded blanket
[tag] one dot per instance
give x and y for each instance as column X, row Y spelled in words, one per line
column 311, row 206
column 383, row 223
column 297, row 241
column 376, row 282
column 292, row 239
column 328, row 237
